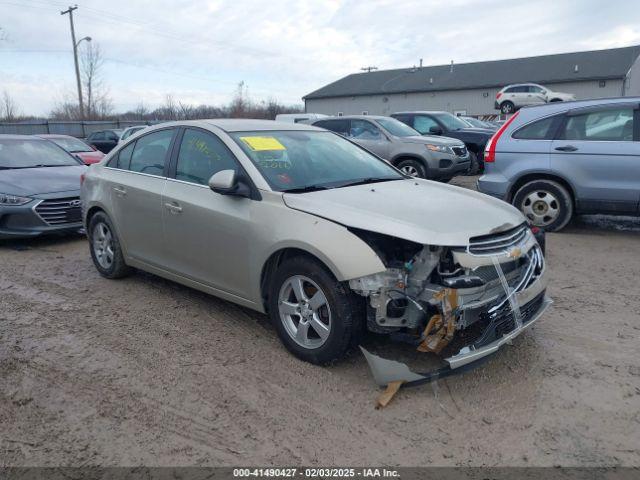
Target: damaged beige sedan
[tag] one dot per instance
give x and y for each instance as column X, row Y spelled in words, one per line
column 322, row 235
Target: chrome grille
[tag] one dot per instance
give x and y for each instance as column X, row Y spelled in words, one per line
column 460, row 151
column 491, row 244
column 59, row 211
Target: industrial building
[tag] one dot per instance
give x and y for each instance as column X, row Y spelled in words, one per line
column 470, row 88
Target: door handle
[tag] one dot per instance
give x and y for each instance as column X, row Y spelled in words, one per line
column 121, row 192
column 567, row 148
column 173, row 207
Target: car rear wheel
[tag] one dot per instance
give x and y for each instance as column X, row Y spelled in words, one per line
column 316, row 317
column 105, row 248
column 413, row 168
column 507, row 107
column 545, row 203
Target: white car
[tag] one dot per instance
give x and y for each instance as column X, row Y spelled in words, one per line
column 513, row 97
column 130, row 131
column 307, row 118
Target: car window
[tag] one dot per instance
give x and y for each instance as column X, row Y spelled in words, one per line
column 423, row 124
column 123, row 158
column 535, row 89
column 604, row 125
column 363, row 130
column 97, row 136
column 201, row 155
column 150, row 152
column 338, row 126
column 518, row 89
column 538, row 130
column 112, row 136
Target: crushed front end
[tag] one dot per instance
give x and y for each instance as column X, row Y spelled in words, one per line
column 461, row 303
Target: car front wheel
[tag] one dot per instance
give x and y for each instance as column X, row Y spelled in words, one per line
column 413, row 168
column 316, row 317
column 545, row 203
column 507, row 107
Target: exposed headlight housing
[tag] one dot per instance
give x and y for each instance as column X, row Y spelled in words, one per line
column 12, row 200
column 439, row 148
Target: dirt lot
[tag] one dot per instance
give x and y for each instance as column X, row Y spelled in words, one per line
column 144, row 371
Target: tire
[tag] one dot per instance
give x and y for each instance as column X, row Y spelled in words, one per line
column 507, row 107
column 104, row 245
column 342, row 314
column 409, row 165
column 474, row 165
column 545, row 203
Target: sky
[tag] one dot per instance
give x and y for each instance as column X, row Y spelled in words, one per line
column 198, row 50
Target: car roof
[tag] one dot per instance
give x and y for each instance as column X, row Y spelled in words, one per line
column 421, row 111
column 355, row 117
column 237, row 125
column 12, row 136
column 553, row 107
column 55, row 135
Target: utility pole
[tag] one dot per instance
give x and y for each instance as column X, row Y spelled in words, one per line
column 368, row 69
column 75, row 57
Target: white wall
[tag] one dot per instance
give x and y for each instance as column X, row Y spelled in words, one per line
column 475, row 102
column 632, row 87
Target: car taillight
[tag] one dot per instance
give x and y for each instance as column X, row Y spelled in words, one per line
column 81, row 178
column 499, row 94
column 490, row 149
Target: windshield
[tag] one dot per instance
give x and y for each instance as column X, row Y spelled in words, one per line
column 451, row 121
column 298, row 160
column 33, row 153
column 71, row 144
column 474, row 122
column 397, row 128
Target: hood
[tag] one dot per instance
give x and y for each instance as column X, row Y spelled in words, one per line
column 37, row 181
column 90, row 157
column 419, row 210
column 433, row 139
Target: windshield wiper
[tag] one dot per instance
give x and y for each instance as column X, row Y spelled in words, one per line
column 307, row 188
column 364, row 181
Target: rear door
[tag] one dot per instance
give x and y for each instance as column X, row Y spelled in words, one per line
column 136, row 178
column 369, row 136
column 536, row 95
column 207, row 235
column 596, row 150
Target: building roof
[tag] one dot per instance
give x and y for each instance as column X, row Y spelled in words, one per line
column 591, row 65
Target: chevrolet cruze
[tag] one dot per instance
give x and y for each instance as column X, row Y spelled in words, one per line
column 326, row 238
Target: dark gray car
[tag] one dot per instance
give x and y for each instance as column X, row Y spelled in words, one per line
column 433, row 157
column 39, row 188
column 554, row 160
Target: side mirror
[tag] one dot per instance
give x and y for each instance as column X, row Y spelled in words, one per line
column 435, row 130
column 226, row 182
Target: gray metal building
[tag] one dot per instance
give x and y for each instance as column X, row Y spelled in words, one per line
column 470, row 88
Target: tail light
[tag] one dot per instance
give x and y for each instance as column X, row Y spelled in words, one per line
column 81, row 178
column 498, row 95
column 490, row 149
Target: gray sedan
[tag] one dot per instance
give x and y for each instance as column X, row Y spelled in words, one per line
column 39, row 188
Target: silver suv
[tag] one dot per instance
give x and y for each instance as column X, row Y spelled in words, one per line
column 513, row 97
column 559, row 159
column 430, row 156
column 303, row 224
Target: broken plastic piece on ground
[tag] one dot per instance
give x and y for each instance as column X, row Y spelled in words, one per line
column 386, row 396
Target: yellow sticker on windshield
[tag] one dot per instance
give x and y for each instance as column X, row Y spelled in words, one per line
column 261, row 144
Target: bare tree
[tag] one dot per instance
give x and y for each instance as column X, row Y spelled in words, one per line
column 8, row 108
column 96, row 96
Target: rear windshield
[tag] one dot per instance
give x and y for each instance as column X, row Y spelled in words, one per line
column 33, row 153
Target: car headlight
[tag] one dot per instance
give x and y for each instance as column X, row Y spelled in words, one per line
column 439, row 148
column 15, row 200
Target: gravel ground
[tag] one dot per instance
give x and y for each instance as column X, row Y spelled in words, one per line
column 145, row 371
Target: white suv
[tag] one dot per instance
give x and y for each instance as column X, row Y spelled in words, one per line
column 512, row 97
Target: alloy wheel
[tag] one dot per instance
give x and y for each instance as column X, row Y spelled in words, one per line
column 410, row 170
column 304, row 311
column 102, row 242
